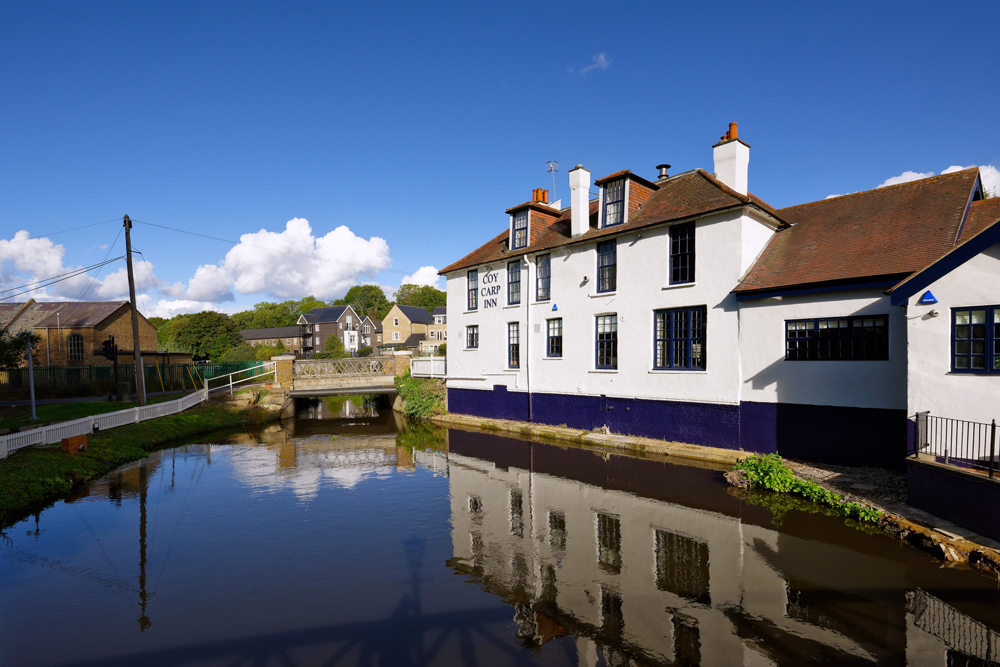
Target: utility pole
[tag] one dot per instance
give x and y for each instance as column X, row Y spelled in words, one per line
column 31, row 384
column 140, row 378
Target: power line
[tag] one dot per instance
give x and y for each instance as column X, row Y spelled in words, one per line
column 47, row 282
column 62, row 231
column 97, row 275
column 152, row 280
column 283, row 252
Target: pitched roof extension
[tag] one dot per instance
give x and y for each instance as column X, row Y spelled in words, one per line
column 875, row 236
column 681, row 197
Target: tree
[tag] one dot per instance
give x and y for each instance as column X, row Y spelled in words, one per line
column 14, row 348
column 333, row 348
column 367, row 301
column 268, row 314
column 206, row 335
column 365, row 351
column 442, row 350
column 423, row 296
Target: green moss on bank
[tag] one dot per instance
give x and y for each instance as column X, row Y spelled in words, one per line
column 36, row 476
column 423, row 396
column 768, row 472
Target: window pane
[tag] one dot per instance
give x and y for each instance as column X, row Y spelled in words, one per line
column 682, row 253
column 514, row 282
column 607, row 269
column 961, row 317
column 520, row 229
column 614, row 202
column 979, row 317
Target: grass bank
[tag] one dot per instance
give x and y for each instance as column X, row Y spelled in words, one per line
column 422, row 397
column 36, row 476
column 18, row 418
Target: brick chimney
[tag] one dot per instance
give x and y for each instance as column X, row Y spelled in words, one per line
column 579, row 186
column 732, row 160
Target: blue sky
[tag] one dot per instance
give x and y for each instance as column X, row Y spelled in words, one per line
column 416, row 125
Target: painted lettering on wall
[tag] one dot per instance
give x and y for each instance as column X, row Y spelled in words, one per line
column 491, row 288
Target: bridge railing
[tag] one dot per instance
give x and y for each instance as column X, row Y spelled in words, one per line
column 260, row 373
column 347, row 367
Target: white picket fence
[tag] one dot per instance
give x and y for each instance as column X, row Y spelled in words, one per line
column 86, row 425
column 429, row 367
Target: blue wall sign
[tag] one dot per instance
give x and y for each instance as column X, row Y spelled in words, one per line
column 927, row 299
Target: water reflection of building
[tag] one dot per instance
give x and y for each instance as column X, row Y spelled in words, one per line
column 644, row 569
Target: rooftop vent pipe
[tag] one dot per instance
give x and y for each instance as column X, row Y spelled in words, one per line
column 663, row 171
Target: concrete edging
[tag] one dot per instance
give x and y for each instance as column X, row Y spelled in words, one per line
column 626, row 443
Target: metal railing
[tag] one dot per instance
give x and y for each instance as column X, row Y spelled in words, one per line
column 346, row 367
column 429, row 367
column 253, row 374
column 55, row 432
column 957, row 442
column 958, row 631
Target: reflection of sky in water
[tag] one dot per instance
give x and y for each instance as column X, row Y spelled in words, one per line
column 490, row 551
column 303, row 466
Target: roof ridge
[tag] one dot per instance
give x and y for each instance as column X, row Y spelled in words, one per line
column 878, row 189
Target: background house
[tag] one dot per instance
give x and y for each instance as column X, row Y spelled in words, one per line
column 405, row 325
column 319, row 324
column 437, row 331
column 371, row 333
column 290, row 337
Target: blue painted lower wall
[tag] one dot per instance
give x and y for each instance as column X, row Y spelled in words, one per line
column 968, row 499
column 826, row 434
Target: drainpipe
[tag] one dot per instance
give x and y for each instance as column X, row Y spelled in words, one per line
column 527, row 338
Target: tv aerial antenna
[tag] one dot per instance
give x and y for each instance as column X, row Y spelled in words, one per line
column 553, row 168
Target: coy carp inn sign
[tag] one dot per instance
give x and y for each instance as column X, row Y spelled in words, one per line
column 490, row 289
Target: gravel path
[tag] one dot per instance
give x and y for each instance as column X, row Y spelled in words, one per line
column 879, row 486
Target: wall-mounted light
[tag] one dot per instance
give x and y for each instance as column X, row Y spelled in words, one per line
column 934, row 313
column 586, row 279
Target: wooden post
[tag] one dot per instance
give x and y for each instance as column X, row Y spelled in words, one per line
column 140, row 376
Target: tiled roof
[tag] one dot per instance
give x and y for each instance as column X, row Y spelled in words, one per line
column 328, row 314
column 273, row 332
column 416, row 314
column 80, row 314
column 878, row 234
column 440, row 310
column 982, row 214
column 625, row 172
column 680, row 197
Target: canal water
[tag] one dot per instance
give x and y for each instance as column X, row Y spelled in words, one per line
column 347, row 537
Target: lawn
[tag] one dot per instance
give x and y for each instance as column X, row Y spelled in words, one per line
column 19, row 417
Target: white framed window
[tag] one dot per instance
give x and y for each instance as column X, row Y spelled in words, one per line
column 395, row 335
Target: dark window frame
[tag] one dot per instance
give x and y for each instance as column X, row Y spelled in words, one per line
column 513, row 282
column 554, row 340
column 990, row 339
column 472, row 278
column 606, row 342
column 74, row 347
column 513, row 345
column 608, row 202
column 520, row 235
column 810, row 339
column 669, row 343
column 607, row 266
column 682, row 254
column 472, row 336
column 543, row 278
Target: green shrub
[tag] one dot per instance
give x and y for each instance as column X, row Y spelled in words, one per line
column 365, row 351
column 769, row 472
column 424, row 397
column 442, row 350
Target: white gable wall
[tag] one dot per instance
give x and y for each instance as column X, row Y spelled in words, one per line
column 725, row 245
column 932, row 386
column 769, row 378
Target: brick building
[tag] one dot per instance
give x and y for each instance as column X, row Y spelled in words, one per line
column 437, row 331
column 71, row 333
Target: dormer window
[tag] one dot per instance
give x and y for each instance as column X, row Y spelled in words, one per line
column 614, row 203
column 520, row 229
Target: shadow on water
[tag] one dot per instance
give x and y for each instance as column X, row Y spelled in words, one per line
column 290, row 548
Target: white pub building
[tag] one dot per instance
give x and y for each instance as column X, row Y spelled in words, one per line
column 688, row 309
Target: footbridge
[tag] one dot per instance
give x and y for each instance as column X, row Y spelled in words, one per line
column 351, row 375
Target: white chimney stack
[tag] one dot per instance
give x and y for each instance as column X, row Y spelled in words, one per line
column 732, row 159
column 579, row 187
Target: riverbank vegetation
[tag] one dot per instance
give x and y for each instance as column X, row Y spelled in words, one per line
column 422, row 397
column 769, row 472
column 36, row 476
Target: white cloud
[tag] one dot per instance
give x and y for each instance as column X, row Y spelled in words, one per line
column 906, row 177
column 425, row 275
column 288, row 265
column 599, row 62
column 988, row 173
